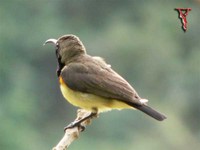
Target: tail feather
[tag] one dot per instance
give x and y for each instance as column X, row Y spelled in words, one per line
column 151, row 112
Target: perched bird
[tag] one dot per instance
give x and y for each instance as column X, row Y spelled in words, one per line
column 90, row 83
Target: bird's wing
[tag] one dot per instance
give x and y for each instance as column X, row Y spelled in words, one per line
column 92, row 78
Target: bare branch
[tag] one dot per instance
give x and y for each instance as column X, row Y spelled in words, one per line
column 72, row 134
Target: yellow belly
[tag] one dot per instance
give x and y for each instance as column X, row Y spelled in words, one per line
column 90, row 101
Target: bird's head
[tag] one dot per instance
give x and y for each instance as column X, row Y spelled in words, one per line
column 67, row 47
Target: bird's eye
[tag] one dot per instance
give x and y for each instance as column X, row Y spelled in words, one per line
column 57, row 46
column 57, row 54
column 57, row 51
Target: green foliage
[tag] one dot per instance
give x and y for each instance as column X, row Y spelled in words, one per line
column 142, row 40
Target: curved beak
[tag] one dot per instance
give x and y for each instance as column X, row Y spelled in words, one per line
column 54, row 41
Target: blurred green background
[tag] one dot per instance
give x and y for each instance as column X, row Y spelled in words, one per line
column 142, row 40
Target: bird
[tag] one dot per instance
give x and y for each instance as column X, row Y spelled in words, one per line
column 88, row 82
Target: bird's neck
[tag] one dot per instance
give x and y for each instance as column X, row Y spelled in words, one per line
column 73, row 57
column 70, row 54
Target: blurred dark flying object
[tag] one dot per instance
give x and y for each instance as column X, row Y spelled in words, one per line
column 183, row 12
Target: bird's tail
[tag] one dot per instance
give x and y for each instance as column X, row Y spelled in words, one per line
column 151, row 112
column 148, row 110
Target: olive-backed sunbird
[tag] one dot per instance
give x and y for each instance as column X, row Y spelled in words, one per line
column 90, row 83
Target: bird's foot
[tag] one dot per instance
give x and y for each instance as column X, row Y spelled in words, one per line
column 77, row 123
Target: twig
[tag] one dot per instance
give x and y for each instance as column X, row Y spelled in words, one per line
column 72, row 134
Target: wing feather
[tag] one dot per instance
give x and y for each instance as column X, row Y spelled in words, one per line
column 95, row 79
